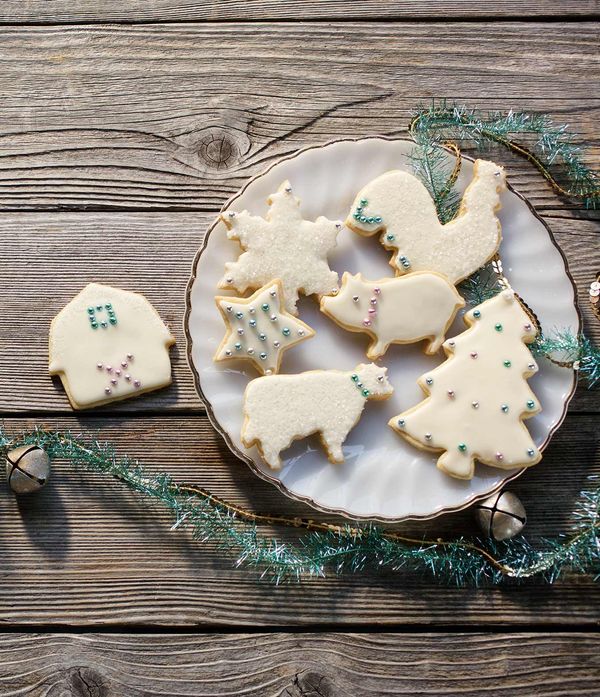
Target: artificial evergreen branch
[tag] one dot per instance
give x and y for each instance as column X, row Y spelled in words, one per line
column 553, row 150
column 343, row 549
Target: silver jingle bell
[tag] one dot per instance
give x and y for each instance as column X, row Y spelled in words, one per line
column 502, row 516
column 27, row 469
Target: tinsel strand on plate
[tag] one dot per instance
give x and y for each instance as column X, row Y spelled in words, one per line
column 341, row 549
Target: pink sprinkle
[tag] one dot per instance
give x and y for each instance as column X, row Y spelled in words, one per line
column 499, row 457
column 113, row 382
column 117, row 372
column 367, row 322
column 527, row 327
column 108, row 369
column 127, row 377
column 130, row 356
column 372, row 311
column 107, row 390
column 473, row 354
column 373, row 301
column 377, row 290
column 451, row 394
column 137, row 383
column 124, row 364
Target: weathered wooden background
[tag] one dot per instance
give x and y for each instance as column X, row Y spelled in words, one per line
column 124, row 127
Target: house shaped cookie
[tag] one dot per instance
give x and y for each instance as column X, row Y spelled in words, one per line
column 109, row 344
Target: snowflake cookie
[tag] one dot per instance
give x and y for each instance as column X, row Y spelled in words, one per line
column 279, row 409
column 109, row 344
column 400, row 310
column 397, row 205
column 259, row 329
column 283, row 245
column 478, row 398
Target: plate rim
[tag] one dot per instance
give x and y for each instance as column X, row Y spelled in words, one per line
column 274, row 480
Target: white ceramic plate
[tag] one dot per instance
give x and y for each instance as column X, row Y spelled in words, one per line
column 383, row 477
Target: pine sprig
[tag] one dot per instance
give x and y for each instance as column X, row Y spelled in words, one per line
column 341, row 549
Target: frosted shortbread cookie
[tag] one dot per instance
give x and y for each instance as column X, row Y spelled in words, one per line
column 109, row 344
column 397, row 205
column 279, row 409
column 283, row 245
column 400, row 310
column 478, row 398
column 259, row 329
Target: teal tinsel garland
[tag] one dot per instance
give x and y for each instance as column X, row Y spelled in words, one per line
column 344, row 549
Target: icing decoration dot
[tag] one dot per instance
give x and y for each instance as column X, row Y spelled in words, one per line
column 498, row 327
column 123, row 364
column 262, row 336
column 532, row 366
column 462, row 447
column 285, row 331
column 276, row 344
column 107, row 390
column 531, row 452
column 239, row 315
column 507, row 363
column 474, row 354
column 229, row 280
column 265, row 307
column 301, row 332
column 390, row 237
column 477, row 314
column 355, row 298
column 263, row 356
column 240, row 331
column 238, row 346
column 99, row 366
column 380, row 378
column 367, row 322
column 377, row 290
column 250, row 351
column 451, row 394
column 252, row 323
column 405, row 262
column 401, row 423
column 499, row 457
column 273, row 318
column 118, row 372
column 128, row 377
column 428, row 436
column 373, row 301
column 530, row 404
column 451, row 343
column 252, row 310
column 130, row 356
column 109, row 369
column 272, row 293
column 475, row 405
column 504, row 408
column 137, row 383
column 113, row 381
column 227, row 353
column 527, row 327
column 372, row 311
column 229, row 308
column 429, row 381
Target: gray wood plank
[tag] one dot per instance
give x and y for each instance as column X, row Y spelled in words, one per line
column 179, row 116
column 51, row 257
column 87, row 552
column 71, row 11
column 299, row 665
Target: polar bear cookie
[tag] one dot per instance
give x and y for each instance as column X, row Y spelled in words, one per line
column 395, row 310
column 477, row 399
column 279, row 409
column 397, row 205
column 283, row 245
column 109, row 344
column 259, row 329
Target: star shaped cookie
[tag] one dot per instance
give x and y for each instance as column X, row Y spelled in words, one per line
column 259, row 329
column 283, row 245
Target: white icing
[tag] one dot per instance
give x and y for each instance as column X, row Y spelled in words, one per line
column 411, row 227
column 283, row 246
column 398, row 310
column 77, row 349
column 259, row 335
column 279, row 409
column 467, row 392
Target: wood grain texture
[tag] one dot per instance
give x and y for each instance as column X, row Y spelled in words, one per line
column 53, row 256
column 298, row 665
column 133, row 11
column 179, row 116
column 87, row 552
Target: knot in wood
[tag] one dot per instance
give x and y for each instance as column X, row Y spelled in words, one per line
column 82, row 681
column 218, row 149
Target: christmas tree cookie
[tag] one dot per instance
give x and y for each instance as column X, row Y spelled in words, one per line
column 109, row 344
column 279, row 409
column 478, row 398
column 283, row 245
column 395, row 310
column 259, row 329
column 397, row 205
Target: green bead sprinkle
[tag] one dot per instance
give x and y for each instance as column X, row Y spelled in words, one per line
column 390, row 238
column 498, row 327
column 359, row 210
column 112, row 320
column 378, row 219
column 531, row 404
column 91, row 310
column 363, row 219
column 285, row 331
column 365, row 393
column 94, row 325
column 507, row 363
column 462, row 447
column 504, row 408
column 354, row 377
column 356, row 216
column 265, row 307
column 364, row 202
column 108, row 306
column 238, row 346
column 477, row 314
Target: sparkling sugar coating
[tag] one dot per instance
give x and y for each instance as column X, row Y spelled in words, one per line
column 279, row 409
column 475, row 403
column 410, row 227
column 283, row 245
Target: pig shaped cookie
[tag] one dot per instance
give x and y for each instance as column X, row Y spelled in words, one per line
column 401, row 310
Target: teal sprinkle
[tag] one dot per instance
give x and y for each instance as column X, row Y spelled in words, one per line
column 239, row 315
column 498, row 327
column 378, row 219
column 462, row 447
column 263, row 356
column 94, row 325
column 531, row 452
column 356, row 216
column 363, row 219
column 285, row 331
column 238, row 346
column 354, row 377
column 504, row 408
column 359, row 210
column 112, row 320
column 262, row 337
column 91, row 310
column 401, row 423
column 365, row 393
column 476, row 314
column 108, row 306
column 364, row 202
column 265, row 307
column 390, row 238
column 531, row 404
column 507, row 363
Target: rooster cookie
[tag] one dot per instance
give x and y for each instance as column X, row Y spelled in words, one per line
column 259, row 329
column 109, row 344
column 283, row 245
column 279, row 409
column 477, row 399
column 397, row 205
column 400, row 310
